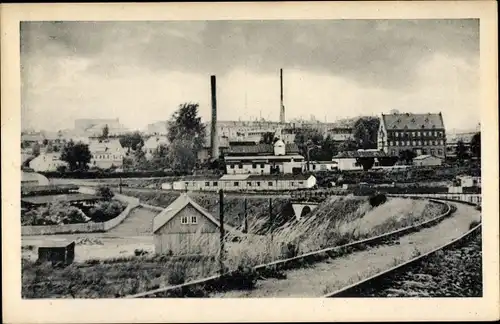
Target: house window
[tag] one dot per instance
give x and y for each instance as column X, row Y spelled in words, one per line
column 390, row 143
column 424, row 151
column 301, row 182
column 440, row 152
column 393, row 152
column 397, row 134
column 232, row 166
column 413, row 134
column 414, row 143
column 441, row 142
column 418, row 133
column 184, row 220
column 433, row 151
column 262, row 165
column 258, row 183
column 207, row 184
column 425, row 133
column 426, row 142
column 215, row 184
column 407, row 143
column 292, row 183
column 433, row 142
column 419, row 142
column 240, row 166
column 194, row 220
column 254, row 166
column 249, row 184
column 270, row 183
column 314, row 166
column 236, row 183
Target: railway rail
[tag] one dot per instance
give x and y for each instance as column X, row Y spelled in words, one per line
column 374, row 285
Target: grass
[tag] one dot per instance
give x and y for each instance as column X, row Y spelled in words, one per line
column 336, row 222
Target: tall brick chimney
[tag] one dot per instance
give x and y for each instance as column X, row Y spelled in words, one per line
column 213, row 131
column 282, row 107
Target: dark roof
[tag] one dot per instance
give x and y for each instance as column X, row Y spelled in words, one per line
column 48, row 188
column 357, row 154
column 42, row 200
column 413, row 121
column 279, row 177
column 260, row 149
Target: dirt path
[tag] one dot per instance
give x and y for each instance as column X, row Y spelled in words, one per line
column 333, row 274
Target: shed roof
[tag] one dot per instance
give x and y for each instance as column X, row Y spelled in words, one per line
column 413, row 121
column 57, row 243
column 178, row 205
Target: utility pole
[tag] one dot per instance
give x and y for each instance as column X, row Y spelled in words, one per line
column 120, row 185
column 271, row 219
column 221, row 220
column 245, row 220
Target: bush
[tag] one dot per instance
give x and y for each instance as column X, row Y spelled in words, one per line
column 177, row 276
column 377, row 200
column 105, row 192
column 55, row 213
column 106, row 210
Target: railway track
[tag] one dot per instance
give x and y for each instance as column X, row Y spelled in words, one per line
column 381, row 284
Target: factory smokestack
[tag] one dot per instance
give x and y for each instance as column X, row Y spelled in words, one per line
column 282, row 107
column 213, row 131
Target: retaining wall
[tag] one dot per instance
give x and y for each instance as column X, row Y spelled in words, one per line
column 84, row 227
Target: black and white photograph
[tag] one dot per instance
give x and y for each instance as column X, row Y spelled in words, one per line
column 243, row 158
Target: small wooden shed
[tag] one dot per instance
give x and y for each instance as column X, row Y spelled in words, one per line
column 57, row 251
column 186, row 228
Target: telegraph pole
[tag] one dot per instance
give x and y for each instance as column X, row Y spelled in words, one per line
column 245, row 220
column 271, row 217
column 221, row 220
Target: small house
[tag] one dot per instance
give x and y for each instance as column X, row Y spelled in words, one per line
column 186, row 228
column 427, row 160
column 57, row 251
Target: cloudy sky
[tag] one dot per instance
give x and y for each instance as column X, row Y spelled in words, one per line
column 141, row 71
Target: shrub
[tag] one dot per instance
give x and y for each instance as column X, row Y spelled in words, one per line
column 377, row 200
column 177, row 276
column 105, row 192
column 140, row 252
column 106, row 210
column 55, row 213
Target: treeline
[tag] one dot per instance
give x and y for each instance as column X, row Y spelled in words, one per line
column 100, row 174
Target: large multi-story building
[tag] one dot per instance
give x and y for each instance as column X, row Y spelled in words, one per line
column 279, row 158
column 424, row 134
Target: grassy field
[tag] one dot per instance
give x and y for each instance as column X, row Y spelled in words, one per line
column 335, row 222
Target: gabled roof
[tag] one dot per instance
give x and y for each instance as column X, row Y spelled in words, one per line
column 413, row 121
column 178, row 205
column 106, row 146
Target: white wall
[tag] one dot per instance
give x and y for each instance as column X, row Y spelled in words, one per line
column 347, row 164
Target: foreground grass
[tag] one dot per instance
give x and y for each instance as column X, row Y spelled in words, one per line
column 338, row 221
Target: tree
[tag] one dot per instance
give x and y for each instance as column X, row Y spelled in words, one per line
column 366, row 162
column 76, row 155
column 307, row 137
column 35, row 150
column 268, row 138
column 347, row 145
column 461, row 151
column 406, row 156
column 475, row 145
column 186, row 134
column 160, row 158
column 132, row 141
column 365, row 132
column 45, row 142
column 328, row 149
column 105, row 132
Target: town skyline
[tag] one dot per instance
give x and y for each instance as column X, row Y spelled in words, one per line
column 141, row 71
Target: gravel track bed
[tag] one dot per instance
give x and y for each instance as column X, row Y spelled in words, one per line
column 333, row 274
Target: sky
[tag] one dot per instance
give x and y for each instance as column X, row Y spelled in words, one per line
column 140, row 72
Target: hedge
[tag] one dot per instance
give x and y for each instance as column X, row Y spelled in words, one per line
column 107, row 174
